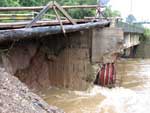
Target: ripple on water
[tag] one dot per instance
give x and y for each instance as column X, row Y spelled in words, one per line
column 132, row 97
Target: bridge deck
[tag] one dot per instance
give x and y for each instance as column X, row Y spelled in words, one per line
column 15, row 25
column 130, row 28
column 35, row 32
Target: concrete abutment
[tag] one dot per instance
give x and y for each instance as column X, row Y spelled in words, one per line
column 65, row 62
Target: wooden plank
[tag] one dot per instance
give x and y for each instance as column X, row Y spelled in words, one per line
column 42, row 12
column 81, row 6
column 59, row 19
column 16, row 18
column 39, row 23
column 64, row 13
column 16, row 15
column 41, row 7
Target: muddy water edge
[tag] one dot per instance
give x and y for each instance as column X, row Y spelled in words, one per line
column 132, row 94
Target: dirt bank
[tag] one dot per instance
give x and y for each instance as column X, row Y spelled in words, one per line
column 15, row 97
column 50, row 62
column 39, row 65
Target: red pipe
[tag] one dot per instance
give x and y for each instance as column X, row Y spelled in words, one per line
column 106, row 74
column 110, row 73
column 114, row 74
column 101, row 75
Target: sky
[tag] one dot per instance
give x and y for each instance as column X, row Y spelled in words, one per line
column 140, row 8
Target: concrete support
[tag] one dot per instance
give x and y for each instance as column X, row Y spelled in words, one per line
column 131, row 40
column 105, row 44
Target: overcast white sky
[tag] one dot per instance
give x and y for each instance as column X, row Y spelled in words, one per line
column 140, row 8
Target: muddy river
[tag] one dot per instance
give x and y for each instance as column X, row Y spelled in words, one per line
column 132, row 94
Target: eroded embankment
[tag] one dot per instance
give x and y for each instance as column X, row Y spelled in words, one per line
column 36, row 65
column 53, row 61
column 47, row 62
column 15, row 97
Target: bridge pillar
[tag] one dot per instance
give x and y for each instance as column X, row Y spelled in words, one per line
column 106, row 44
column 131, row 40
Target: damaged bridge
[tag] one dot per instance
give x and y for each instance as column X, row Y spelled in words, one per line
column 61, row 52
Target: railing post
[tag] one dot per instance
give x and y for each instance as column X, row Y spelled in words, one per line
column 42, row 12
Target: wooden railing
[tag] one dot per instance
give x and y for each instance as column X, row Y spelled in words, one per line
column 41, row 7
column 28, row 13
column 16, row 16
column 39, row 15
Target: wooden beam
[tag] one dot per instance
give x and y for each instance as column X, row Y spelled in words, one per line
column 42, row 12
column 59, row 19
column 39, row 32
column 64, row 13
column 39, row 23
column 16, row 18
column 16, row 15
column 41, row 7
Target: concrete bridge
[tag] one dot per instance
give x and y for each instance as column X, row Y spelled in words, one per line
column 44, row 53
column 132, row 35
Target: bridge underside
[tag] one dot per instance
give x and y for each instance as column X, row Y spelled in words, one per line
column 132, row 35
column 131, row 41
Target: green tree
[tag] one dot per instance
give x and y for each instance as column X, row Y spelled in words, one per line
column 108, row 12
column 79, row 13
column 6, row 3
column 75, row 13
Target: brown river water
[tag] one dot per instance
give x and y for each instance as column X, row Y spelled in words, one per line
column 132, row 94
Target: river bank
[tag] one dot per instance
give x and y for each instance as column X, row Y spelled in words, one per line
column 15, row 97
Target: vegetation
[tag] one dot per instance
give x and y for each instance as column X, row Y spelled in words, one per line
column 108, row 12
column 145, row 37
column 146, row 33
column 42, row 2
column 75, row 13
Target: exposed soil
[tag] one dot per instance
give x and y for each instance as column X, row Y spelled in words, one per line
column 15, row 97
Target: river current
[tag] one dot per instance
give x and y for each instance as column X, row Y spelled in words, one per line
column 131, row 95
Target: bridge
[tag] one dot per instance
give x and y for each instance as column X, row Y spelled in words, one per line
column 131, row 37
column 142, row 22
column 61, row 52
